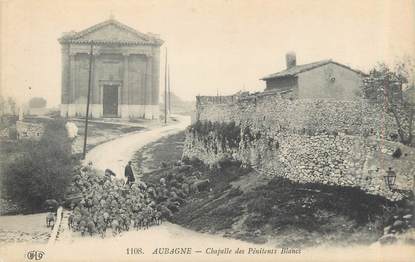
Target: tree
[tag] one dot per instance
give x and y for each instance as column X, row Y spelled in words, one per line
column 404, row 117
column 385, row 85
column 37, row 102
column 42, row 171
column 2, row 105
column 11, row 103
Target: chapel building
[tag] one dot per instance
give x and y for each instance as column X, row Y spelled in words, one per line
column 125, row 72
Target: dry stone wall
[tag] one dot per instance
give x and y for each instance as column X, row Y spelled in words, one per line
column 270, row 111
column 323, row 141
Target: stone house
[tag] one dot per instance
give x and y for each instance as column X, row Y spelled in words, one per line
column 322, row 79
column 125, row 72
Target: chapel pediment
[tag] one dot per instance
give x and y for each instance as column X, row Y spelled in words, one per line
column 110, row 32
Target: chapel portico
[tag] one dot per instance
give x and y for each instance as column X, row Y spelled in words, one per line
column 125, row 75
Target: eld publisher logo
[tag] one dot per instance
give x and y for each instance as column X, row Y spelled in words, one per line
column 35, row 255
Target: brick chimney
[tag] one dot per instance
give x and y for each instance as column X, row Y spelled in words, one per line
column 290, row 59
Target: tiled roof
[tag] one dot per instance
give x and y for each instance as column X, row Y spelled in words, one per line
column 295, row 70
column 139, row 38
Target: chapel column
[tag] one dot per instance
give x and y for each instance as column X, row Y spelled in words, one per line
column 65, row 75
column 155, row 73
column 93, row 107
column 125, row 88
column 148, row 86
column 95, row 92
column 72, row 85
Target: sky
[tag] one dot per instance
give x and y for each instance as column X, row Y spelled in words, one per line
column 214, row 46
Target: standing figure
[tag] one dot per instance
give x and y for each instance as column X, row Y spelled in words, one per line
column 71, row 220
column 128, row 173
column 50, row 219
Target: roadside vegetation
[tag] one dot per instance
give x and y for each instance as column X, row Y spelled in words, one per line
column 169, row 149
column 37, row 170
column 239, row 205
column 226, row 132
column 394, row 88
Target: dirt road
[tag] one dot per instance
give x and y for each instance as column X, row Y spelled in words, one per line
column 116, row 153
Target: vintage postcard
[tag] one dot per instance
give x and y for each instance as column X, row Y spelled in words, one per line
column 207, row 130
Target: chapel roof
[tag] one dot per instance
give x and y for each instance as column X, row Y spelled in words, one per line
column 110, row 31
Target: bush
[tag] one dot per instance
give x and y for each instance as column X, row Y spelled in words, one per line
column 42, row 171
column 37, row 102
column 12, row 133
column 226, row 132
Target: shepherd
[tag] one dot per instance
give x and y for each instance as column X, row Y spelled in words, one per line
column 128, row 173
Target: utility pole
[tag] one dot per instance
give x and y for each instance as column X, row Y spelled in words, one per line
column 165, row 90
column 87, row 101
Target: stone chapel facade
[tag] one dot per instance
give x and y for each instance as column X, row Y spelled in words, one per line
column 125, row 72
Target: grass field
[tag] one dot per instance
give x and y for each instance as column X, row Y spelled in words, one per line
column 168, row 150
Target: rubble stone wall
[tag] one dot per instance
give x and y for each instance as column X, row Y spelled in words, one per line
column 323, row 141
column 29, row 130
column 270, row 111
